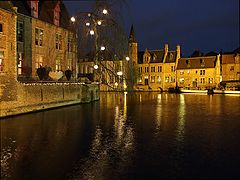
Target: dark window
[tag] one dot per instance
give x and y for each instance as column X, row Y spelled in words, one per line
column 1, row 27
column 20, row 31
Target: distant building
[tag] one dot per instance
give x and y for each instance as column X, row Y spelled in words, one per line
column 231, row 66
column 156, row 67
column 199, row 72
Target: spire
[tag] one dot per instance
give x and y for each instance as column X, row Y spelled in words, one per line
column 132, row 38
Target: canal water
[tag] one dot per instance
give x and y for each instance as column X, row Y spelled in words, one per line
column 126, row 136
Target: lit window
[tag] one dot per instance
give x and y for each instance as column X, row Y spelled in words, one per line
column 152, row 79
column 166, row 79
column 172, row 68
column 58, row 41
column 38, row 37
column 210, row 80
column 20, row 62
column 58, row 64
column 181, row 80
column 39, row 61
column 1, row 61
column 158, row 79
column 181, row 72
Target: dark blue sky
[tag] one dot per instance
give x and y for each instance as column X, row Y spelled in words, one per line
column 206, row 25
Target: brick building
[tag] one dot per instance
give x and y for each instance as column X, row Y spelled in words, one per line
column 44, row 37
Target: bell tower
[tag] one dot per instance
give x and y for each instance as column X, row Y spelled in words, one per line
column 133, row 47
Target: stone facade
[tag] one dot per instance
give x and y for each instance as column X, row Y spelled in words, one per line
column 231, row 67
column 199, row 72
column 17, row 97
column 8, row 55
column 156, row 67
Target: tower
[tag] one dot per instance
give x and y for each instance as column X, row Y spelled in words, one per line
column 133, row 47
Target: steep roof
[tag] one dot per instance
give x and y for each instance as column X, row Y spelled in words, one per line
column 132, row 38
column 159, row 56
column 45, row 10
column 197, row 62
column 46, row 13
column 228, row 58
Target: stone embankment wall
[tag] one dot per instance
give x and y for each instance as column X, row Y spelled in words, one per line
column 30, row 97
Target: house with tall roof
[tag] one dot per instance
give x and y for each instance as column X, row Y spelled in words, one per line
column 231, row 66
column 156, row 67
column 199, row 72
column 45, row 37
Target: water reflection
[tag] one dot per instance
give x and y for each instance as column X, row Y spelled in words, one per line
column 126, row 136
column 181, row 120
column 120, row 146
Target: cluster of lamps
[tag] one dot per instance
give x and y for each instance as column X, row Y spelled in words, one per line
column 102, row 48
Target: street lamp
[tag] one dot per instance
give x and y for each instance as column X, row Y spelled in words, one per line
column 92, row 32
column 104, row 11
column 103, row 48
column 87, row 24
column 99, row 23
column 95, row 66
column 127, row 58
column 73, row 19
column 119, row 73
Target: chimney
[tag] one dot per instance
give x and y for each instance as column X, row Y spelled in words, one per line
column 15, row 9
column 166, row 48
column 178, row 54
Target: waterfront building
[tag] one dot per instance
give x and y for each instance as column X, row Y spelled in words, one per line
column 231, row 66
column 44, row 37
column 156, row 67
column 7, row 52
column 199, row 72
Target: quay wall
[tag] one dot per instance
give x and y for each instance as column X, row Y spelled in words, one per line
column 30, row 97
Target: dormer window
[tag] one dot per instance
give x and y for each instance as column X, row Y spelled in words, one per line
column 34, row 8
column 56, row 15
column 202, row 62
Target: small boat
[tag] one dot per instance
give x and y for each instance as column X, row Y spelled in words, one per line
column 218, row 91
column 193, row 91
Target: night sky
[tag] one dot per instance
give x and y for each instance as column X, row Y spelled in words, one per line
column 206, row 25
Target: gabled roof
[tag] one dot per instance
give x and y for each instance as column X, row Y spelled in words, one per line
column 45, row 10
column 159, row 56
column 228, row 58
column 197, row 62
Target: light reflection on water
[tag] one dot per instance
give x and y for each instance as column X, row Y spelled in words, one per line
column 126, row 136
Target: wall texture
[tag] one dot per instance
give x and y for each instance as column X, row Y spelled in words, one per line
column 39, row 96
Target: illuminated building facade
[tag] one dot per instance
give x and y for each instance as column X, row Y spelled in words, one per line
column 157, row 68
column 44, row 37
